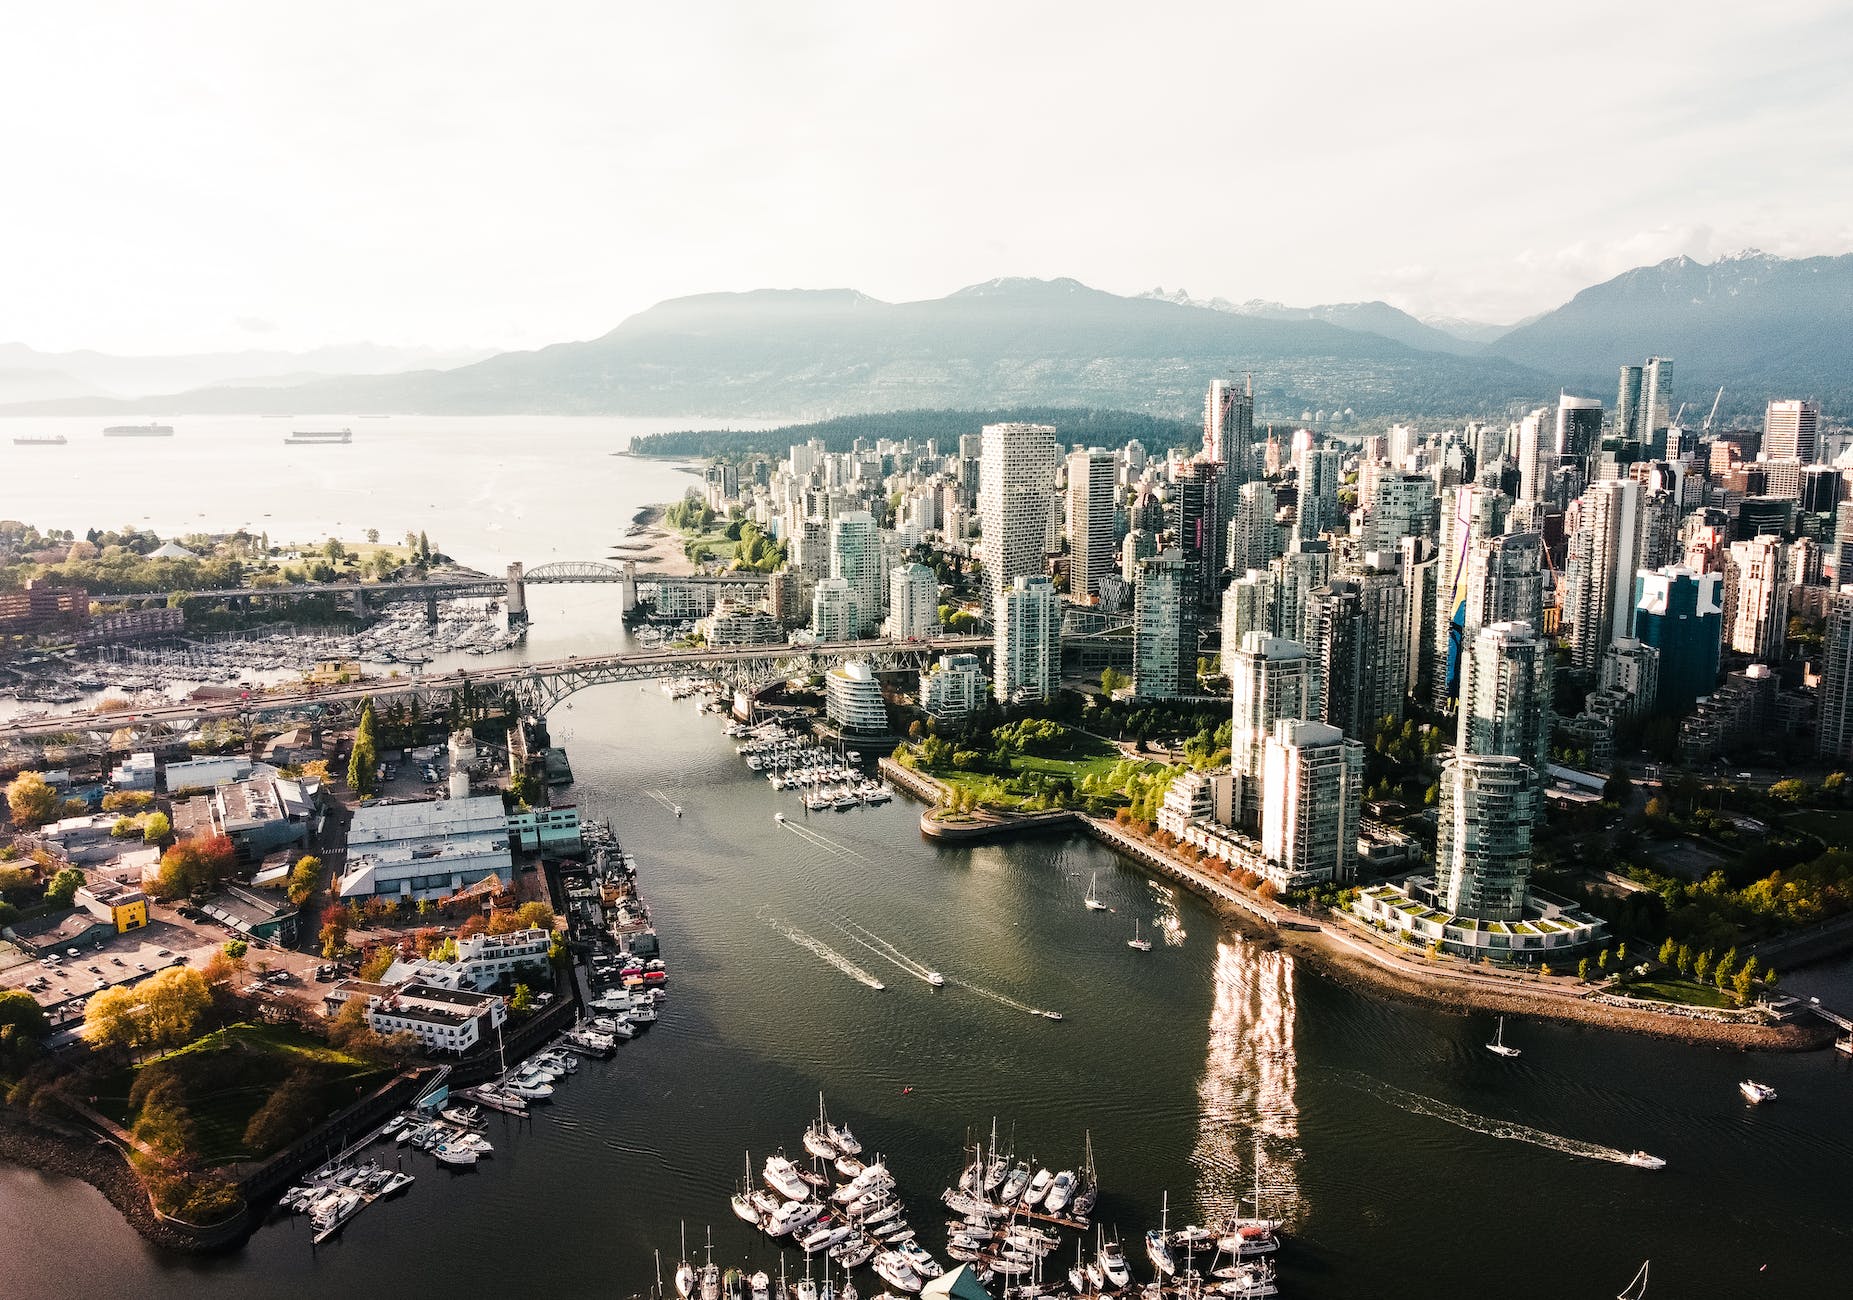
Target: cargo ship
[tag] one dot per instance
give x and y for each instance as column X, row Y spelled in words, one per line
column 56, row 440
column 149, row 430
column 313, row 437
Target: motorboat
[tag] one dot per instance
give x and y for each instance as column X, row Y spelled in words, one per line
column 923, row 1264
column 783, row 1177
column 1113, row 1265
column 1755, row 1092
column 1060, row 1192
column 1038, row 1188
column 1248, row 1239
column 844, row 1140
column 892, row 1267
column 455, row 1155
column 1641, row 1160
column 1498, row 1046
column 791, row 1216
column 1014, row 1183
column 760, row 1286
column 825, row 1235
column 848, row 1166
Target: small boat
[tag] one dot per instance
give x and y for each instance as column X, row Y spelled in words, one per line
column 1641, row 1160
column 760, row 1285
column 1038, row 1187
column 779, row 817
column 848, row 1166
column 1143, row 945
column 1060, row 1192
column 783, row 1177
column 841, row 1138
column 1636, row 1289
column 937, row 980
column 1092, row 902
column 1158, row 1243
column 1498, row 1046
column 1014, row 1183
column 1755, row 1092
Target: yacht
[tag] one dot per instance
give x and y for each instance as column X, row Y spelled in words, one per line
column 149, row 430
column 455, row 1154
column 783, row 1177
column 892, row 1267
column 791, row 1216
column 1498, row 1046
column 1038, row 1188
column 1755, row 1092
column 1093, row 903
column 1143, row 945
column 1060, row 1192
column 841, row 1138
column 1113, row 1266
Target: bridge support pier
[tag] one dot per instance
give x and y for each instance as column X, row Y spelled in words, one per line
column 358, row 602
column 517, row 595
column 629, row 587
column 431, row 607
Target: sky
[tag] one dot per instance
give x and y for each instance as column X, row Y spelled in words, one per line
column 200, row 176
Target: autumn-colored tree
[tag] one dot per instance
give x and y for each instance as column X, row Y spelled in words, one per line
column 31, row 801
column 303, row 878
column 378, row 962
column 194, row 865
column 334, row 934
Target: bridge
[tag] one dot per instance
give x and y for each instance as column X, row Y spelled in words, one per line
column 534, row 688
column 675, row 595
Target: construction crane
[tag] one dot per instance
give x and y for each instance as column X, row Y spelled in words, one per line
column 1706, row 429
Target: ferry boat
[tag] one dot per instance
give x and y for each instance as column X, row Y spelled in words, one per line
column 149, row 430
column 55, row 440
column 315, row 437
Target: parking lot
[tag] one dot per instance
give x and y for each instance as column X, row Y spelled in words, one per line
column 62, row 981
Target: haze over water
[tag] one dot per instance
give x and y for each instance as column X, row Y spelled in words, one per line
column 1408, row 1161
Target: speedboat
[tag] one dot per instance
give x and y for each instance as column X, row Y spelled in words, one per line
column 1113, row 1265
column 1641, row 1160
column 1060, row 1192
column 937, row 980
column 1755, row 1092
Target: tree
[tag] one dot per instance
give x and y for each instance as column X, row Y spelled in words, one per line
column 304, row 877
column 195, row 865
column 23, row 1027
column 1726, row 967
column 1602, row 960
column 378, row 962
column 286, row 1115
column 1669, row 953
column 31, row 801
column 18, row 880
column 373, row 537
column 1621, row 954
column 63, row 886
column 535, row 916
column 1701, row 965
column 1619, row 786
column 1789, row 791
column 1656, row 809
column 1112, row 681
column 157, row 828
column 173, row 1001
column 234, row 949
column 1582, row 970
column 110, row 1018
column 1741, row 984
column 334, row 935
column 523, row 1000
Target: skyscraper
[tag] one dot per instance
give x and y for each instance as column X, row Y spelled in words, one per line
column 1681, row 614
column 913, row 602
column 1534, row 458
column 1468, row 513
column 1834, row 732
column 1579, row 429
column 1757, row 598
column 1247, row 606
column 1506, row 698
column 1270, row 678
column 855, row 557
column 833, row 610
column 1483, row 839
column 1505, row 582
column 1314, row 784
column 1357, row 633
column 1015, row 479
column 1200, row 525
column 1229, row 428
column 1598, row 586
column 1306, row 567
column 1253, row 537
column 1628, row 405
column 1164, row 630
column 1092, row 489
column 1656, row 401
column 1400, row 505
column 1790, row 431
column 1317, row 509
column 1028, row 648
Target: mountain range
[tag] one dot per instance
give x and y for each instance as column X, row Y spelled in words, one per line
column 1761, row 326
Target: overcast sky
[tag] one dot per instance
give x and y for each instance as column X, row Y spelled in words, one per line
column 181, row 176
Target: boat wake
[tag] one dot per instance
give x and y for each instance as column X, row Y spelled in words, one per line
column 666, row 801
column 824, row 842
column 824, row 950
column 1509, row 1130
column 1003, row 999
column 888, row 952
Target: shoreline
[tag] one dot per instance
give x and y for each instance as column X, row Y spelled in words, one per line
column 1331, row 951
column 30, row 1144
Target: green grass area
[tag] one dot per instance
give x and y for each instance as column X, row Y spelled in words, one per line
column 1084, row 757
column 1684, row 992
column 1830, row 826
column 227, row 1075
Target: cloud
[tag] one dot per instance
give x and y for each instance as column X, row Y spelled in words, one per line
column 255, row 325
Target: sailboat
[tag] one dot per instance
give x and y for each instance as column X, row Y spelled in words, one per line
column 1143, row 945
column 1498, row 1046
column 1093, row 903
column 685, row 1272
column 1637, row 1288
column 1158, row 1242
column 743, row 1206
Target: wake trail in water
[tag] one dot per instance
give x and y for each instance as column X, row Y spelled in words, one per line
column 824, row 950
column 1001, row 999
column 665, row 800
column 1509, row 1130
column 885, row 950
column 824, row 842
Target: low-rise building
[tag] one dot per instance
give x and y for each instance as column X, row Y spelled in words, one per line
column 122, row 906
column 1550, row 928
column 258, row 816
column 206, row 773
column 545, row 830
column 737, row 623
column 136, row 772
column 853, row 699
column 443, row 1019
column 483, row 961
column 255, row 916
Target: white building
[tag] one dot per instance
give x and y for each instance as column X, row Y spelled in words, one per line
column 1599, row 578
column 483, row 961
column 853, row 700
column 205, row 773
column 856, row 558
column 952, row 689
column 1506, row 693
column 1253, row 537
column 1197, row 796
column 833, row 610
column 425, row 849
column 1092, row 532
column 1313, row 785
column 1756, row 598
column 449, row 1020
column 1015, row 480
column 1483, row 841
column 1271, row 679
column 136, row 772
column 1317, row 510
column 913, row 602
column 1028, row 649
column 1164, row 627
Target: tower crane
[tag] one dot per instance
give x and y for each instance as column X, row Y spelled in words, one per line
column 1706, row 429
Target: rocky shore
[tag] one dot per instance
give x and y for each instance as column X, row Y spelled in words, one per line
column 71, row 1153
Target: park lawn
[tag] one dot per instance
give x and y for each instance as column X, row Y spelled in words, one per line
column 226, row 1076
column 1684, row 992
column 1086, row 756
column 1831, row 826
